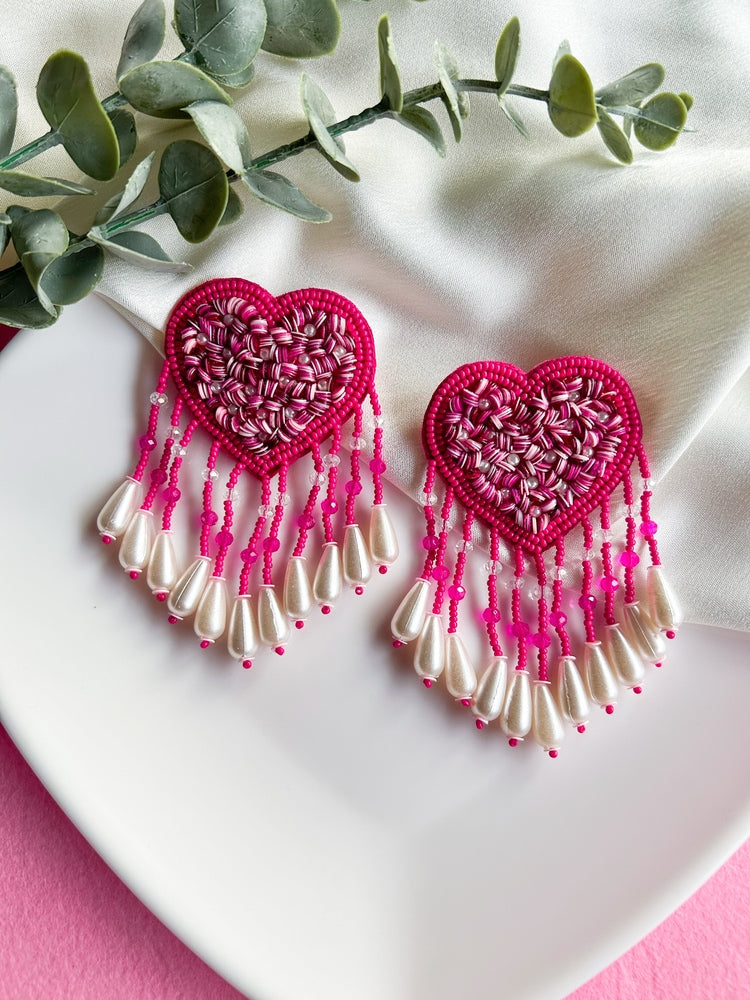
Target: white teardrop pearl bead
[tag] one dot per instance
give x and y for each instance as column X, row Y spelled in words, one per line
column 570, row 692
column 547, row 725
column 644, row 635
column 211, row 614
column 383, row 540
column 184, row 596
column 490, row 692
column 328, row 580
column 162, row 571
column 115, row 515
column 515, row 717
column 273, row 624
column 663, row 606
column 355, row 558
column 408, row 620
column 429, row 652
column 298, row 596
column 601, row 683
column 242, row 634
column 135, row 547
column 622, row 656
column 460, row 675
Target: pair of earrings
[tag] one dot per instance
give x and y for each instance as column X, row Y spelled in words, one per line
column 529, row 457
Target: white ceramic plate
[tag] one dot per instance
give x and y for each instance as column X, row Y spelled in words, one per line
column 320, row 826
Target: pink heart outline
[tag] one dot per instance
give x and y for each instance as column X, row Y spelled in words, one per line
column 524, row 384
column 273, row 309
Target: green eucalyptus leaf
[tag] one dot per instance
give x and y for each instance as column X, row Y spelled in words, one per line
column 234, row 208
column 19, row 305
column 144, row 36
column 117, row 204
column 8, row 110
column 424, row 123
column 456, row 104
column 123, row 123
column 614, row 138
column 276, row 190
column 4, row 232
column 223, row 35
column 301, row 29
column 660, row 121
column 224, row 131
column 506, row 54
column 571, row 105
column 71, row 277
column 514, row 117
column 687, row 100
column 30, row 186
column 140, row 249
column 390, row 81
column 40, row 237
column 320, row 115
column 635, row 86
column 236, row 80
column 17, row 212
column 194, row 187
column 68, row 102
column 164, row 89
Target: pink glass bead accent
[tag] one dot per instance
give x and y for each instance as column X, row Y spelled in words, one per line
column 352, row 487
column 609, row 584
column 158, row 476
column 520, row 630
column 558, row 619
column 271, row 545
column 628, row 559
column 440, row 573
column 248, row 555
column 377, row 465
column 587, row 602
column 209, row 518
column 491, row 615
column 456, row 592
column 540, row 640
column 171, row 494
column 329, row 506
column 430, row 543
column 146, row 442
column 305, row 521
column 224, row 538
column 648, row 529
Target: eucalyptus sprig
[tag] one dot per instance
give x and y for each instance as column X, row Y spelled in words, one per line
column 221, row 39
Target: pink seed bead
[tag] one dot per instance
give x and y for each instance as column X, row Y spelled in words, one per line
column 326, row 609
column 279, row 650
column 638, row 690
column 161, row 596
column 107, row 539
column 359, row 591
column 581, row 728
column 397, row 644
column 428, row 682
column 205, row 643
column 466, row 702
column 299, row 624
column 247, row 664
column 382, row 570
column 134, row 574
column 173, row 619
column 479, row 724
column 609, row 709
column 513, row 742
column 670, row 633
column 553, row 754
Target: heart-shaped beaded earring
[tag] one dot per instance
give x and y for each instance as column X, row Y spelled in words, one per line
column 536, row 457
column 270, row 380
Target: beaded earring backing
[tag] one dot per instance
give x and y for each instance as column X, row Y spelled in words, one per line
column 534, row 457
column 270, row 380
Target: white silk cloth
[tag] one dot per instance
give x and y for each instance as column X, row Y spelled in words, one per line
column 509, row 249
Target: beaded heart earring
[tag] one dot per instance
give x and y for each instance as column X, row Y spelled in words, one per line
column 533, row 456
column 270, row 380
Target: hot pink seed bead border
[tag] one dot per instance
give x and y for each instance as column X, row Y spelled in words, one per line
column 273, row 309
column 525, row 384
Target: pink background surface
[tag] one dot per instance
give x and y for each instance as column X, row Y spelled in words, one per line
column 71, row 930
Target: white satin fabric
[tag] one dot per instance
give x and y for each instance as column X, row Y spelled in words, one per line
column 510, row 249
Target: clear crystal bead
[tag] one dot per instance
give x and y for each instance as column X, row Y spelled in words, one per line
column 209, row 474
column 158, row 398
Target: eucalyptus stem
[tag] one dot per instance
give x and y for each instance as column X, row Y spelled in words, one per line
column 47, row 141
